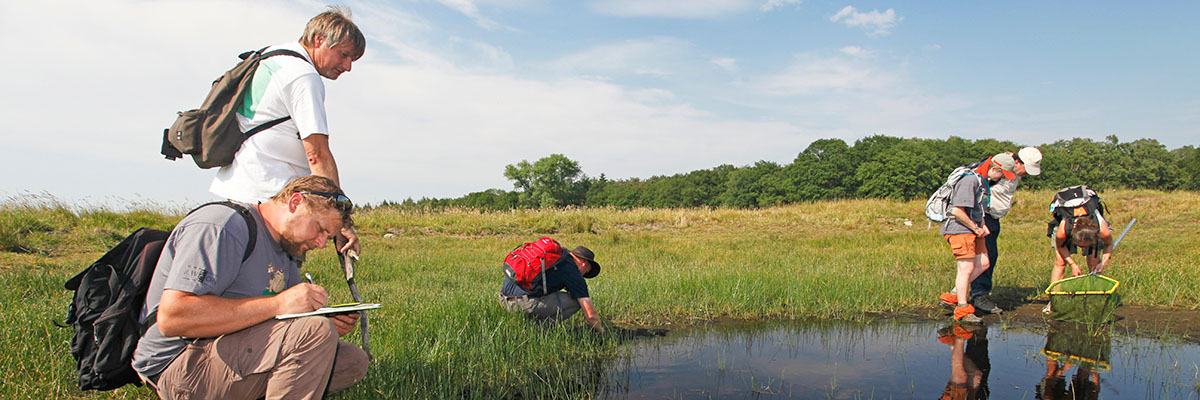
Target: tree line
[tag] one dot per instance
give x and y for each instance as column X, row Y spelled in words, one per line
column 873, row 167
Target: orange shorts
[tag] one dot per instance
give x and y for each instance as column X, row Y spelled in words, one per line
column 966, row 245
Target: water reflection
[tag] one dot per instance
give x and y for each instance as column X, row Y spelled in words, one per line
column 966, row 378
column 902, row 360
column 1086, row 347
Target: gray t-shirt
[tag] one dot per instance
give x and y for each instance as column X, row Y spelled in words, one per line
column 968, row 193
column 203, row 255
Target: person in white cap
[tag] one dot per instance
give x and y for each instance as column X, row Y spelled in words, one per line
column 1028, row 162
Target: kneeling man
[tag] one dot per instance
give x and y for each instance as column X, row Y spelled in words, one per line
column 215, row 334
column 545, row 300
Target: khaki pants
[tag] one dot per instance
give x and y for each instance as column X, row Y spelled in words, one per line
column 278, row 359
column 555, row 306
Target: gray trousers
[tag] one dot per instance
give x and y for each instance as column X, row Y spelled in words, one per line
column 555, row 306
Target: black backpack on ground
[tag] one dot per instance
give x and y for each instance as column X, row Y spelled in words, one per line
column 108, row 299
column 210, row 134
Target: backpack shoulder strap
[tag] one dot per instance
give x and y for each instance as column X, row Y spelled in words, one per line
column 283, row 52
column 272, row 53
column 251, row 225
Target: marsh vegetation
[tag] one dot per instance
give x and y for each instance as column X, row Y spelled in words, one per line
column 441, row 335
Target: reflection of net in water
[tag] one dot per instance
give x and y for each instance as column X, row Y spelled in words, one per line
column 1085, row 345
column 1089, row 299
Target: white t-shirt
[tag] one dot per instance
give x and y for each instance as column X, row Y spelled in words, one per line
column 1002, row 197
column 283, row 85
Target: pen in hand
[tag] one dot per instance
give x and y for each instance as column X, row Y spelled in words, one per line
column 310, row 279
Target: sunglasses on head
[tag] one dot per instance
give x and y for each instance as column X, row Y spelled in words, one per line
column 340, row 201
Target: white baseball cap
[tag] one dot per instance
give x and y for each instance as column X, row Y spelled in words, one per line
column 1032, row 158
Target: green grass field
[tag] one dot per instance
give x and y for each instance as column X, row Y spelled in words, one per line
column 442, row 335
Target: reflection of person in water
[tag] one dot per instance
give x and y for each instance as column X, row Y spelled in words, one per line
column 1084, row 385
column 977, row 352
column 965, row 377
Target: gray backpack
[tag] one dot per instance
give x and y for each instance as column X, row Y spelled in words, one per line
column 937, row 208
column 210, row 134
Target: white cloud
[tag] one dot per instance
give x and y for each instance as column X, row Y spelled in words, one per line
column 407, row 121
column 812, row 74
column 481, row 56
column 670, row 8
column 855, row 51
column 404, row 122
column 875, row 22
column 726, row 63
column 471, row 10
column 851, row 93
column 771, row 5
column 657, row 56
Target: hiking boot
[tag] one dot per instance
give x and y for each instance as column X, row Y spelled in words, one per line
column 948, row 299
column 971, row 319
column 963, row 311
column 984, row 303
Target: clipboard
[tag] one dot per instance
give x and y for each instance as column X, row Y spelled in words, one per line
column 333, row 310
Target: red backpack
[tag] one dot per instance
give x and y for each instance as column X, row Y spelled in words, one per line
column 528, row 260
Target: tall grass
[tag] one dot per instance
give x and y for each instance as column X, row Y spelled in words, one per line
column 442, row 335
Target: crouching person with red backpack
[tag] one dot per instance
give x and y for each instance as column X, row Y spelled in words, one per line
column 536, row 274
column 211, row 310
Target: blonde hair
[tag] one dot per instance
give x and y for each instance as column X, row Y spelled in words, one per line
column 335, row 27
column 317, row 203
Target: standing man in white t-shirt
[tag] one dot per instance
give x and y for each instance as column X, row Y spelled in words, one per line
column 291, row 86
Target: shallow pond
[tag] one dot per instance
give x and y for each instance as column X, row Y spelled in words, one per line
column 915, row 360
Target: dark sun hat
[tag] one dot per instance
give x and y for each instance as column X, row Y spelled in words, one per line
column 587, row 254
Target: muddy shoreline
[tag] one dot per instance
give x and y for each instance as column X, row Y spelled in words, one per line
column 1152, row 322
column 1155, row 322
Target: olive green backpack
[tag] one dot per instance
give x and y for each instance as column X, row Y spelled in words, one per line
column 210, row 134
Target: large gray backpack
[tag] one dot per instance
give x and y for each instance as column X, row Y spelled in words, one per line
column 937, row 208
column 210, row 134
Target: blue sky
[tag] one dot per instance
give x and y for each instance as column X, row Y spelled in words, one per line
column 451, row 91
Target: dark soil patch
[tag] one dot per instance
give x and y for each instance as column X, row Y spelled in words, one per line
column 1138, row 320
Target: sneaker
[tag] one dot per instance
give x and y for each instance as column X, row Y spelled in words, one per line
column 948, row 299
column 984, row 303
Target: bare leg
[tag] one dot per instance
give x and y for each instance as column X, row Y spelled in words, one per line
column 981, row 264
column 962, row 281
